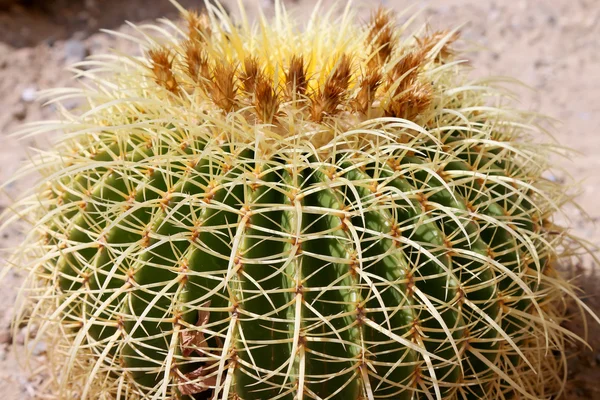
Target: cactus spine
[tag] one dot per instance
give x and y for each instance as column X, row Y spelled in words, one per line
column 260, row 213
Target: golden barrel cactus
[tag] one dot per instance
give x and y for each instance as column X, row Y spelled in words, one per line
column 268, row 212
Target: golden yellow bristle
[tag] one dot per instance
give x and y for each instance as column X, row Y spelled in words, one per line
column 224, row 88
column 162, row 64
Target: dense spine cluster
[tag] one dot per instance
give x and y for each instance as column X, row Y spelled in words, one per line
column 259, row 213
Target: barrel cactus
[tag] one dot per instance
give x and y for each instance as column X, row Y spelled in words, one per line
column 268, row 212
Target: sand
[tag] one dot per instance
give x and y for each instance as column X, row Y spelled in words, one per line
column 552, row 47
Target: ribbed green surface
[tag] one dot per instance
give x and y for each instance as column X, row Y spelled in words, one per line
column 364, row 271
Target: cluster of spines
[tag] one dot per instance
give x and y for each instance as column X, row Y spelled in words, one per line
column 416, row 331
column 232, row 86
column 386, row 78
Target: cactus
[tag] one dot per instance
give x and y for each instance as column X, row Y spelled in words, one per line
column 268, row 213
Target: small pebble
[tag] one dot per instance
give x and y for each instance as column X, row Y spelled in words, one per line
column 20, row 111
column 5, row 337
column 75, row 50
column 29, row 94
column 37, row 348
column 71, row 104
column 586, row 116
column 20, row 338
column 50, row 41
column 552, row 177
column 25, row 385
column 25, row 333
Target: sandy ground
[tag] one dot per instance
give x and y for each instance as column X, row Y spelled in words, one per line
column 552, row 46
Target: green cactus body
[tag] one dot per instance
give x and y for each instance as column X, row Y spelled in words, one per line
column 333, row 214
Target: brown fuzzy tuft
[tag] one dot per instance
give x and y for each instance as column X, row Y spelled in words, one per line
column 407, row 68
column 198, row 26
column 326, row 101
column 340, row 75
column 295, row 79
column 429, row 42
column 366, row 94
column 411, row 102
column 410, row 97
column 224, row 87
column 249, row 75
column 196, row 62
column 162, row 64
column 381, row 38
column 266, row 101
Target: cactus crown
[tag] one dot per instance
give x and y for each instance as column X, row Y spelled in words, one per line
column 254, row 212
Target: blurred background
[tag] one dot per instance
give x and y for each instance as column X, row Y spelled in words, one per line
column 551, row 46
